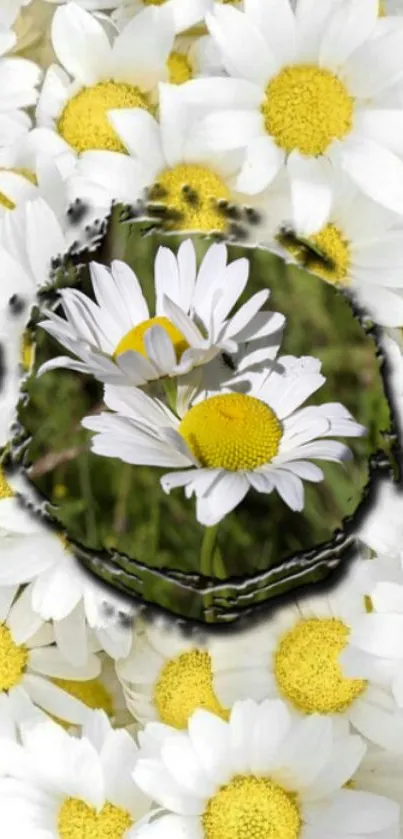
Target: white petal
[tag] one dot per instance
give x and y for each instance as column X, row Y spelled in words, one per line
column 81, row 44
column 263, row 160
column 245, row 54
column 376, row 171
column 311, row 191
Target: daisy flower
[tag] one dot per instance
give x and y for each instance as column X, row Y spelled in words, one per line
column 359, row 248
column 19, row 79
column 79, row 206
column 30, row 662
column 230, row 442
column 84, row 613
column 167, row 676
column 262, row 773
column 73, row 786
column 298, row 656
column 96, row 76
column 309, row 94
column 196, row 185
column 116, row 338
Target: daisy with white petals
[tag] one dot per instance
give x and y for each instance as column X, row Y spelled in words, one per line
column 119, row 341
column 19, row 79
column 85, row 615
column 263, row 773
column 193, row 182
column 167, row 675
column 311, row 94
column 299, row 655
column 360, row 249
column 30, row 662
column 71, row 786
column 97, row 76
column 228, row 442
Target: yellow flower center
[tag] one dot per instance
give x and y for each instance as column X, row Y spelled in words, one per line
column 185, row 684
column 79, row 821
column 232, row 431
column 179, row 68
column 307, row 667
column 84, row 120
column 13, row 660
column 191, row 194
column 5, row 201
column 252, row 808
column 326, row 254
column 305, row 108
column 5, row 489
column 134, row 340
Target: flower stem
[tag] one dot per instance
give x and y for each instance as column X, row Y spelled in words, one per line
column 207, row 557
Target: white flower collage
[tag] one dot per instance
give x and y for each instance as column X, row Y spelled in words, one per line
column 111, row 726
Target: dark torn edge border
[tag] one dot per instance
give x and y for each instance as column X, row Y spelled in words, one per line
column 324, row 561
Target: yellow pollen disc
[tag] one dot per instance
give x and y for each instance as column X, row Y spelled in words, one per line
column 308, row 671
column 334, row 265
column 232, row 431
column 79, row 821
column 5, row 489
column 153, row 2
column 84, row 120
column 305, row 108
column 179, row 68
column 6, row 202
column 13, row 660
column 192, row 193
column 134, row 340
column 185, row 684
column 252, row 808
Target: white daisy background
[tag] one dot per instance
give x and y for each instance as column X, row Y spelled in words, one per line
column 111, row 726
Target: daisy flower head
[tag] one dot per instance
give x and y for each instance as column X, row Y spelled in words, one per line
column 299, row 656
column 262, row 773
column 69, row 786
column 118, row 340
column 195, row 185
column 19, row 80
column 167, row 676
column 98, row 73
column 31, row 664
column 229, row 442
column 308, row 96
column 84, row 615
column 359, row 249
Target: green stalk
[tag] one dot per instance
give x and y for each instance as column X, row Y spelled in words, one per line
column 207, row 558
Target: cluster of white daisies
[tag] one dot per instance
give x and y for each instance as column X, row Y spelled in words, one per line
column 114, row 728
column 110, row 727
